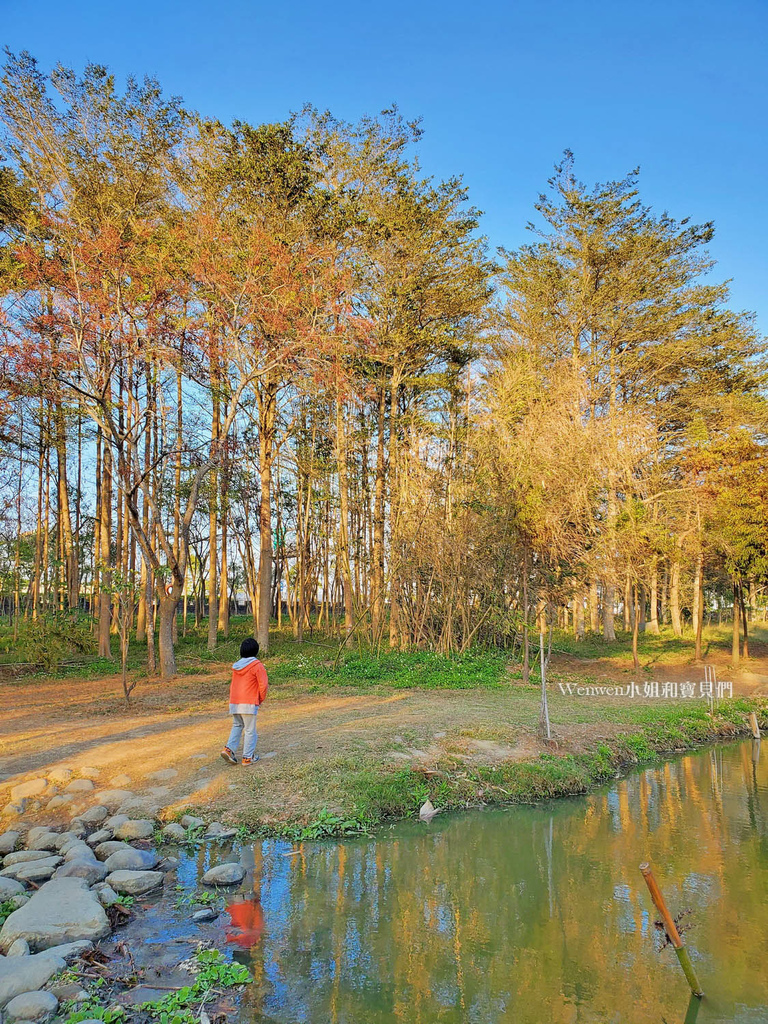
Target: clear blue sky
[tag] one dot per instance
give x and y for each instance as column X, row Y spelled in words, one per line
column 678, row 87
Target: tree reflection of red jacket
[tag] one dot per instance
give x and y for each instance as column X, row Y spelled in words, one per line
column 247, row 923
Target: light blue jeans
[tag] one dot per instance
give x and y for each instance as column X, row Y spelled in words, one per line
column 243, row 726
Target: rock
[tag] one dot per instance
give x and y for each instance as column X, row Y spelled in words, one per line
column 113, row 798
column 164, row 775
column 174, row 832
column 90, row 773
column 134, row 883
column 94, row 815
column 39, row 830
column 79, row 851
column 205, row 915
column 15, row 808
column 32, row 1006
column 19, row 899
column 34, row 806
column 190, row 821
column 60, row 776
column 33, row 870
column 26, row 974
column 19, row 947
column 9, row 888
column 136, row 828
column 63, row 910
column 131, row 860
column 104, row 850
column 59, row 801
column 46, row 841
column 8, row 842
column 69, row 993
column 121, row 781
column 217, row 831
column 34, row 787
column 159, row 792
column 144, row 805
column 70, row 950
column 23, row 856
column 224, row 874
column 115, row 821
column 102, row 836
column 79, row 786
column 91, row 870
column 168, row 864
column 107, row 895
column 67, row 838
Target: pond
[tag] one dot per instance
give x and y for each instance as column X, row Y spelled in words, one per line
column 527, row 914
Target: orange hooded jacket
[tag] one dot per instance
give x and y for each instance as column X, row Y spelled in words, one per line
column 248, row 688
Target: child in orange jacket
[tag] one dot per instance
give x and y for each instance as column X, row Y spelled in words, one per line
column 246, row 693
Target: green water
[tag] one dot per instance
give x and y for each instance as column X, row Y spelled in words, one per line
column 527, row 914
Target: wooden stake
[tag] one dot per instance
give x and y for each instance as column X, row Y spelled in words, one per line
column 755, row 727
column 671, row 929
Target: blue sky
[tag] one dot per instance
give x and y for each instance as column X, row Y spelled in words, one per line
column 678, row 87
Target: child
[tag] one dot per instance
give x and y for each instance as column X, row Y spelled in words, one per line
column 247, row 691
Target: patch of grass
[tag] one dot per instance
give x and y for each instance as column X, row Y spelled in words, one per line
column 422, row 669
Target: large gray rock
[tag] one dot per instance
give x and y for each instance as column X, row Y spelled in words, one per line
column 102, row 836
column 60, row 776
column 26, row 974
column 60, row 800
column 113, row 798
column 218, row 831
column 164, row 775
column 70, row 950
column 78, row 850
column 33, row 787
column 107, row 895
column 133, row 883
column 23, row 856
column 32, row 1006
column 105, row 850
column 8, row 842
column 9, row 888
column 94, row 815
column 174, row 832
column 224, row 874
column 141, row 806
column 121, row 781
column 19, row 898
column 190, row 821
column 115, row 821
column 46, row 841
column 19, row 947
column 79, row 786
column 91, row 870
column 62, row 910
column 136, row 828
column 131, row 860
column 37, row 870
column 67, row 838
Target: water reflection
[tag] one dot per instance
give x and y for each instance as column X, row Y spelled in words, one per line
column 525, row 915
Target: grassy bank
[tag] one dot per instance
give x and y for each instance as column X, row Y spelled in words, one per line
column 361, row 793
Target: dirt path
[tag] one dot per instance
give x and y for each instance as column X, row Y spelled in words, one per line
column 307, row 741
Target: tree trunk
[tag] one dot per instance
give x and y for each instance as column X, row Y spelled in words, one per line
column 213, row 581
column 653, row 622
column 578, row 614
column 635, row 627
column 165, row 635
column 674, row 594
column 735, row 637
column 744, row 624
column 609, row 632
column 698, row 603
column 105, row 519
column 378, row 522
column 69, row 550
column 594, row 607
column 346, row 573
column 267, row 399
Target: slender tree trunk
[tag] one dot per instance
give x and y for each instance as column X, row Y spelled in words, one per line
column 526, row 616
column 69, row 551
column 105, row 518
column 735, row 637
column 267, row 398
column 609, row 631
column 578, row 614
column 346, row 572
column 213, row 527
column 635, row 627
column 674, row 594
column 378, row 521
column 653, row 622
column 744, row 624
column 698, row 602
column 594, row 607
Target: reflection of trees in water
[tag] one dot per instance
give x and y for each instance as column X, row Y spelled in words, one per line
column 537, row 914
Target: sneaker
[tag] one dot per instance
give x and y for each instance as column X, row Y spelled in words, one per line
column 228, row 756
column 250, row 760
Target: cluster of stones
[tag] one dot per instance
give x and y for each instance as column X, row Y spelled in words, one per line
column 60, row 879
